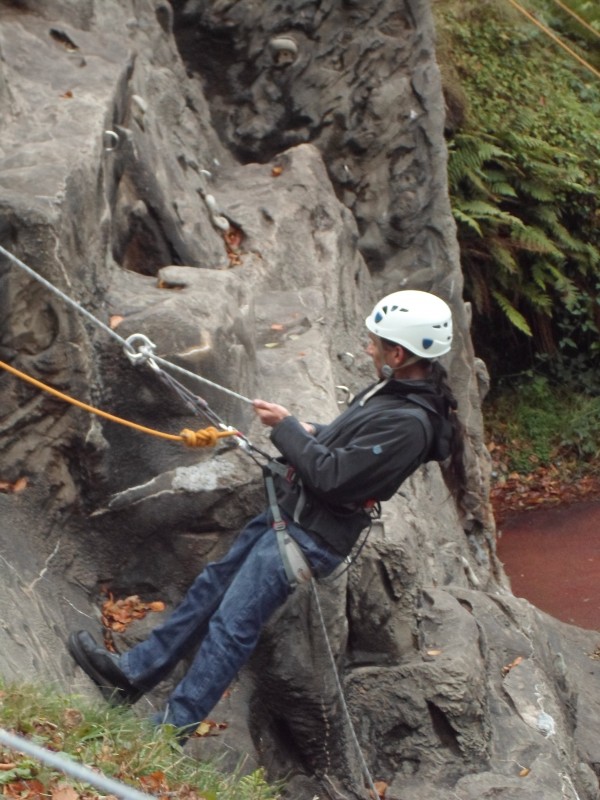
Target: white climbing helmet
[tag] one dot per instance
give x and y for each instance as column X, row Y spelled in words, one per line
column 419, row 321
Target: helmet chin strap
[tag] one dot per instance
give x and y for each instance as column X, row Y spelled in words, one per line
column 387, row 372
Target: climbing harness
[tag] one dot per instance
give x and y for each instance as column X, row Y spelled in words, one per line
column 139, row 349
column 297, row 568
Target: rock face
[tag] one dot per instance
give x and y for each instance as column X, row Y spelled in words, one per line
column 237, row 182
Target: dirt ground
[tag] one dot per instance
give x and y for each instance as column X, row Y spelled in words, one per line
column 552, row 557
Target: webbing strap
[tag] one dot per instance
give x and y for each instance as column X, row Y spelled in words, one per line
column 297, row 568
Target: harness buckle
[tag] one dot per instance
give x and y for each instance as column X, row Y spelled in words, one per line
column 295, row 563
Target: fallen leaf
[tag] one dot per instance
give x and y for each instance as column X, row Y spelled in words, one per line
column 155, row 781
column 25, row 790
column 381, row 788
column 276, row 171
column 233, row 238
column 64, row 793
column 272, row 344
column 277, row 326
column 210, row 728
column 434, row 652
column 507, row 668
column 72, row 717
column 13, row 488
column 524, row 772
column 118, row 614
column 203, row 729
column 68, row 94
column 115, row 321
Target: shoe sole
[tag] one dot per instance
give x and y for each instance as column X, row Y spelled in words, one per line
column 113, row 694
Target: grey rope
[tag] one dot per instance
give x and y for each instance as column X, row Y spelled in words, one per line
column 72, row 768
column 206, row 381
column 60, row 294
column 340, row 689
column 145, row 353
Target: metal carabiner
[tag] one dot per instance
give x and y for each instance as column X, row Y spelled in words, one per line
column 140, row 349
column 111, row 141
column 345, row 397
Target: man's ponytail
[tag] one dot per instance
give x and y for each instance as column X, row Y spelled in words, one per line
column 453, row 470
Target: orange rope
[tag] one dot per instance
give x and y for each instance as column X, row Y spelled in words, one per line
column 554, row 37
column 579, row 19
column 205, row 437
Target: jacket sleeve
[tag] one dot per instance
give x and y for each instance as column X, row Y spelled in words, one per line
column 371, row 466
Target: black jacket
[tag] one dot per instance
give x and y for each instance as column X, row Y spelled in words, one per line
column 363, row 455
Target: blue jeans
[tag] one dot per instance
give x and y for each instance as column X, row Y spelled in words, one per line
column 224, row 612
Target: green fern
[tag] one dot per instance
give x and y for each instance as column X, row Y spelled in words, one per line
column 515, row 317
column 522, row 174
column 467, row 220
column 534, row 240
column 253, row 786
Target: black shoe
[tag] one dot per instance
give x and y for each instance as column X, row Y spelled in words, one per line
column 103, row 669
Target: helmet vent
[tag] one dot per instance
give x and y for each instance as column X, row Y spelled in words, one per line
column 427, row 343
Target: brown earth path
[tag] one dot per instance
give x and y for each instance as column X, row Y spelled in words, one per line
column 552, row 557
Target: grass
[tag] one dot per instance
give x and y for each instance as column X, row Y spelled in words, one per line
column 113, row 741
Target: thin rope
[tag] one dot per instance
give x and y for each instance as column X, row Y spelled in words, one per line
column 32, row 273
column 206, row 381
column 206, row 437
column 75, row 770
column 338, row 684
column 577, row 17
column 63, row 296
column 192, row 401
column 554, row 37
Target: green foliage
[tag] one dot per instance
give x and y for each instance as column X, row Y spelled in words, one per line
column 25, row 770
column 542, row 424
column 119, row 744
column 523, row 174
column 252, row 786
